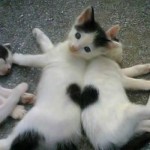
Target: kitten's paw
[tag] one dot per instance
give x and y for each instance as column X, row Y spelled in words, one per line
column 17, row 58
column 18, row 112
column 36, row 32
column 28, row 98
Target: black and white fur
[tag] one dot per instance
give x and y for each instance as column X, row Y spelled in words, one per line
column 109, row 119
column 5, row 59
column 10, row 97
column 54, row 121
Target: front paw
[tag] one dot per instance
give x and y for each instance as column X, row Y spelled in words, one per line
column 28, row 98
column 18, row 112
column 17, row 58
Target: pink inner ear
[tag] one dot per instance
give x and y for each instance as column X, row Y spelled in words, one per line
column 84, row 16
column 113, row 31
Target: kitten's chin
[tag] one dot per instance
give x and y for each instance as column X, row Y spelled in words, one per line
column 86, row 57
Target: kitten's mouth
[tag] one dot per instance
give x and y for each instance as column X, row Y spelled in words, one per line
column 73, row 49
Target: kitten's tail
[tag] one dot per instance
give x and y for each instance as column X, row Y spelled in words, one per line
column 8, row 104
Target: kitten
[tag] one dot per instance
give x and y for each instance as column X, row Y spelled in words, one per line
column 109, row 119
column 54, row 121
column 5, row 59
column 62, row 74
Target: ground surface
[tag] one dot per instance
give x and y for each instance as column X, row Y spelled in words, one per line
column 55, row 17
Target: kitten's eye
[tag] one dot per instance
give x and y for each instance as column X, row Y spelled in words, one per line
column 87, row 49
column 78, row 35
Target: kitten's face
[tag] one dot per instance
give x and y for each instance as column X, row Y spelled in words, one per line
column 87, row 39
column 5, row 59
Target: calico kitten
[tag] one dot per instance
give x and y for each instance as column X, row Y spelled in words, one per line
column 108, row 117
column 5, row 59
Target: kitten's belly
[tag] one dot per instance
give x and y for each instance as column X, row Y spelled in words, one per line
column 54, row 83
column 54, row 123
column 107, row 125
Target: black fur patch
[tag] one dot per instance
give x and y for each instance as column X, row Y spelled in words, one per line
column 83, row 99
column 74, row 91
column 116, row 39
column 3, row 52
column 89, row 96
column 92, row 26
column 138, row 142
column 29, row 140
column 66, row 146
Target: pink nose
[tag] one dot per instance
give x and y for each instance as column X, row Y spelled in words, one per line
column 73, row 48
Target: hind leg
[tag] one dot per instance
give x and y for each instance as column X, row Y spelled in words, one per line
column 43, row 41
column 8, row 104
column 26, row 98
column 136, row 70
column 18, row 112
column 135, row 84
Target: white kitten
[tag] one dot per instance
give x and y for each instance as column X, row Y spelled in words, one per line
column 108, row 117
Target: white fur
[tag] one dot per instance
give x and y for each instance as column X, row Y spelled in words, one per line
column 9, row 100
column 112, row 119
column 54, row 114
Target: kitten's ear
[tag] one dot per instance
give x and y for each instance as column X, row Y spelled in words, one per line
column 7, row 45
column 87, row 15
column 113, row 31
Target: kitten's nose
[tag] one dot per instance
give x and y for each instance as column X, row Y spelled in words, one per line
column 73, row 48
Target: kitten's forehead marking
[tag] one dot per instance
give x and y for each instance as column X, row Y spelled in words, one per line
column 87, row 38
column 3, row 52
column 100, row 38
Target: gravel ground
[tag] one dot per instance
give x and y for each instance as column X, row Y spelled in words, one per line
column 55, row 17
